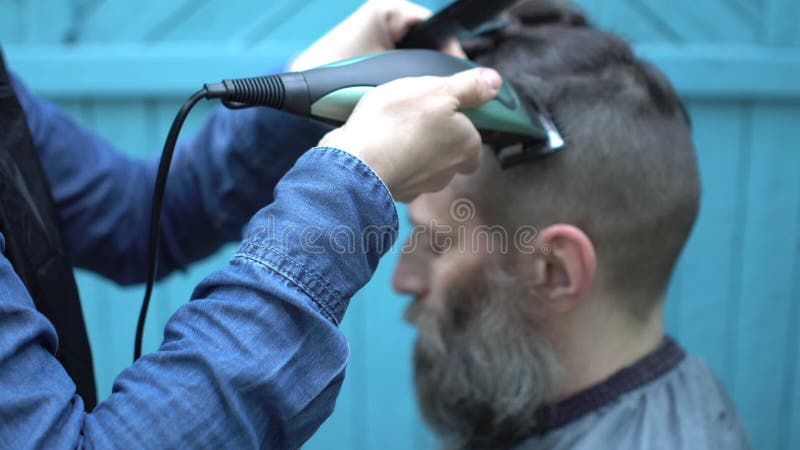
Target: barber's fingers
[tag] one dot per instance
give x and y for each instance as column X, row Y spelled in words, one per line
column 474, row 87
column 470, row 153
column 401, row 15
column 453, row 47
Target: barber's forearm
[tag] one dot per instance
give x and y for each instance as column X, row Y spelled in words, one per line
column 342, row 219
column 256, row 359
column 248, row 363
column 257, row 354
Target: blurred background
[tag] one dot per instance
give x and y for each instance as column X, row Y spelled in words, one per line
column 123, row 68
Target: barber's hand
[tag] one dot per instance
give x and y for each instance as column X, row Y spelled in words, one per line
column 375, row 27
column 411, row 134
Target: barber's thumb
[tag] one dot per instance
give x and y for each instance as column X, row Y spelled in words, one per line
column 475, row 87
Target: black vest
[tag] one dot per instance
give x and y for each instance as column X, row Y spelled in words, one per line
column 29, row 223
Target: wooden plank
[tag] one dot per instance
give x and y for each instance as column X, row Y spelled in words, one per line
column 601, row 12
column 790, row 433
column 317, row 17
column 162, row 28
column 780, row 23
column 702, row 71
column 154, row 20
column 434, row 5
column 11, row 23
column 767, row 281
column 391, row 414
column 789, row 428
column 636, row 22
column 124, row 21
column 133, row 70
column 738, row 21
column 747, row 8
column 262, row 27
column 698, row 71
column 707, row 21
column 217, row 21
column 46, row 22
column 713, row 255
column 262, row 23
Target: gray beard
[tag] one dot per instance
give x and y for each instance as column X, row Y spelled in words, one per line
column 481, row 372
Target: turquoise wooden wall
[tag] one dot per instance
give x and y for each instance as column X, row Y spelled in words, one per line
column 124, row 67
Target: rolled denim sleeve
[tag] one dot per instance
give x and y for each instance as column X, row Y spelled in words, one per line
column 219, row 178
column 255, row 360
column 341, row 239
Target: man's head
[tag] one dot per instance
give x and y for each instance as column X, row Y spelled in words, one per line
column 500, row 305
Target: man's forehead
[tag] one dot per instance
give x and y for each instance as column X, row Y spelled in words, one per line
column 434, row 206
column 439, row 205
column 425, row 208
column 461, row 190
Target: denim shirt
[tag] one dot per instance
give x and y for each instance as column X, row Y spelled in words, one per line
column 255, row 359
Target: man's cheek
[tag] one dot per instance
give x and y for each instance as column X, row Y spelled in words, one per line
column 449, row 275
column 462, row 292
column 459, row 267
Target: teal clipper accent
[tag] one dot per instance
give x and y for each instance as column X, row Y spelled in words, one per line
column 511, row 124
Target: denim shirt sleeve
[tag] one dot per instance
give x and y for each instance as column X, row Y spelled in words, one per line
column 255, row 360
column 219, row 178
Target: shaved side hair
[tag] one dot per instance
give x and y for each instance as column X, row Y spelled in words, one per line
column 628, row 175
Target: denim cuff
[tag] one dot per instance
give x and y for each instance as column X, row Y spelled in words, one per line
column 331, row 221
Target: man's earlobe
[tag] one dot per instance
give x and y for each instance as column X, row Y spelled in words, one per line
column 564, row 276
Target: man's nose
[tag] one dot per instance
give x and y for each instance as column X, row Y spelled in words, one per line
column 409, row 279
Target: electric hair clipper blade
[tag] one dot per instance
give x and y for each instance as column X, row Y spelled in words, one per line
column 543, row 138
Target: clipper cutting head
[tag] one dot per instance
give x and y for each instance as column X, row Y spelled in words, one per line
column 544, row 138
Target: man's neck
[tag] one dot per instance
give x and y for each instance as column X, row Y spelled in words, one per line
column 597, row 341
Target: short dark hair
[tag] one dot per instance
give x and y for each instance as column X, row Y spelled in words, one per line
column 628, row 175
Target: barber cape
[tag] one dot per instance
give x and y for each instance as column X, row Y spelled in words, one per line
column 666, row 400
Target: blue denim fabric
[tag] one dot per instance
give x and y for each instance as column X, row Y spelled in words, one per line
column 255, row 359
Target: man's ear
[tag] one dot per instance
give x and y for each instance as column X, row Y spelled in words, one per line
column 564, row 268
